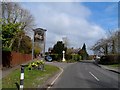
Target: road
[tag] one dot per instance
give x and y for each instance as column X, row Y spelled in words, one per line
column 86, row 75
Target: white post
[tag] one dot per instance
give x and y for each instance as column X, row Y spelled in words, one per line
column 33, row 46
column 63, row 56
column 22, row 77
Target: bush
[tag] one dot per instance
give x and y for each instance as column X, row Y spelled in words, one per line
column 6, row 49
column 109, row 59
column 76, row 57
column 68, row 57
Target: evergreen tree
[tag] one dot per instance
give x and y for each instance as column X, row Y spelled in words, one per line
column 58, row 48
column 84, row 47
column 83, row 52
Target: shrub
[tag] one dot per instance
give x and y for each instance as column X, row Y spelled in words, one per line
column 76, row 57
column 68, row 56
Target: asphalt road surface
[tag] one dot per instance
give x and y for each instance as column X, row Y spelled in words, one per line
column 86, row 75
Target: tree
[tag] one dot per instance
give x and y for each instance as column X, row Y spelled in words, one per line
column 25, row 46
column 107, row 45
column 83, row 52
column 70, row 51
column 9, row 33
column 15, row 21
column 84, row 47
column 101, row 47
column 59, row 47
column 13, row 13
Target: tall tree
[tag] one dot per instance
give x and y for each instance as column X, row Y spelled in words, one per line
column 13, row 13
column 26, row 44
column 83, row 52
column 84, row 47
column 15, row 20
column 59, row 47
column 107, row 45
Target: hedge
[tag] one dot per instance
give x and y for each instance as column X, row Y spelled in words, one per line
column 58, row 57
column 110, row 59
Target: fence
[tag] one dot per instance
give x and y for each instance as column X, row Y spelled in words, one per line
column 110, row 59
column 11, row 59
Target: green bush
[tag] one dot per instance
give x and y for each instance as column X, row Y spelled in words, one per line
column 6, row 49
column 68, row 57
column 76, row 57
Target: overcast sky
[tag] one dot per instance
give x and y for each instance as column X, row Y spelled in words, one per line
column 80, row 22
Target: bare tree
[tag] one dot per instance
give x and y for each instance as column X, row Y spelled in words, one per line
column 108, row 45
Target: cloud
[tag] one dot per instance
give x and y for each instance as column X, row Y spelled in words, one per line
column 66, row 20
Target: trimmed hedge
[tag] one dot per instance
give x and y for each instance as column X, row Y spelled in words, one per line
column 57, row 57
column 110, row 59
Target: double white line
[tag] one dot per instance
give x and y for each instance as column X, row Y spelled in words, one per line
column 94, row 76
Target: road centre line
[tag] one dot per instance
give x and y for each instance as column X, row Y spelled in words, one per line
column 56, row 78
column 94, row 76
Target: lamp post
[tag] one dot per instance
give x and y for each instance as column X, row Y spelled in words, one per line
column 63, row 56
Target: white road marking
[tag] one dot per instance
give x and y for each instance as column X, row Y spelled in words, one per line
column 94, row 76
column 56, row 78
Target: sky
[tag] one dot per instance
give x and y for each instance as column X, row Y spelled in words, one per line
column 79, row 22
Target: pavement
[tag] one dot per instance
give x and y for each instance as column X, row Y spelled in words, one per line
column 110, row 68
column 87, row 75
column 114, row 69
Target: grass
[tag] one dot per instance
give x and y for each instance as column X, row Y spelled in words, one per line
column 0, row 84
column 32, row 79
column 114, row 65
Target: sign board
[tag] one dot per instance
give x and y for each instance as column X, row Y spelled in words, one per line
column 38, row 35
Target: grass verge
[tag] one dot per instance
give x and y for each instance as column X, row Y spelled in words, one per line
column 32, row 79
column 114, row 65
